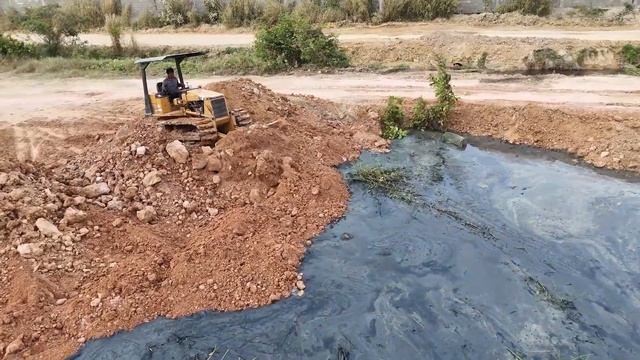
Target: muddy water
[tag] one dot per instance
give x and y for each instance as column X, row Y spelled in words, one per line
column 499, row 253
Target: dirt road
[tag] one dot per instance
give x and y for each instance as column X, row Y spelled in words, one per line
column 71, row 98
column 367, row 35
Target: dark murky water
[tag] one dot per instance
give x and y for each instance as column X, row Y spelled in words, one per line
column 503, row 256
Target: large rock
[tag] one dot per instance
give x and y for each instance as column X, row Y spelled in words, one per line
column 47, row 228
column 29, row 250
column 95, row 190
column 454, row 139
column 74, row 216
column 177, row 151
column 152, row 178
column 199, row 162
column 146, row 215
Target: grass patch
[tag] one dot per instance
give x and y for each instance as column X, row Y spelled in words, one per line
column 392, row 182
column 392, row 119
column 589, row 12
column 526, row 7
column 540, row 290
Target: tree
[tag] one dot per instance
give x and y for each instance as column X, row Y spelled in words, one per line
column 51, row 24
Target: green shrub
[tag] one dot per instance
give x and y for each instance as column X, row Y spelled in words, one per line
column 12, row 48
column 176, row 12
column 333, row 15
column 589, row 12
column 213, row 10
column 445, row 99
column 293, row 41
column 431, row 9
column 391, row 119
column 241, row 13
column 273, row 10
column 87, row 13
column 114, row 25
column 358, row 10
column 148, row 20
column 52, row 24
column 420, row 116
column 631, row 54
column 10, row 19
column 127, row 14
column 395, row 10
column 526, row 7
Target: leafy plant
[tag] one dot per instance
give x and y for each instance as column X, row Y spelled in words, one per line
column 526, row 7
column 392, row 182
column 273, row 10
column 114, row 25
column 213, row 10
column 392, row 119
column 148, row 19
column 358, row 10
column 293, row 41
column 420, row 115
column 176, row 12
column 51, row 24
column 12, row 48
column 446, row 99
column 241, row 13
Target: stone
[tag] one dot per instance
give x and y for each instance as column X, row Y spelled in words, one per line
column 29, row 250
column 604, row 154
column 141, row 151
column 115, row 204
column 213, row 211
column 74, row 216
column 254, row 196
column 130, row 192
column 216, row 179
column 346, row 236
column 4, row 178
column 61, row 301
column 206, row 150
column 95, row 190
column 95, row 302
column 15, row 346
column 79, row 200
column 199, row 162
column 47, row 228
column 454, row 139
column 177, row 151
column 315, row 190
column 17, row 194
column 300, row 285
column 152, row 178
column 213, row 163
column 146, row 215
column 117, row 222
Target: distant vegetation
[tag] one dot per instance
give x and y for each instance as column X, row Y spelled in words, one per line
column 631, row 57
column 526, row 7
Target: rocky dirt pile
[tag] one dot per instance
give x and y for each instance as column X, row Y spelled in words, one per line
column 140, row 225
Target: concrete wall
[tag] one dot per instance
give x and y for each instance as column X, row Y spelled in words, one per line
column 466, row 6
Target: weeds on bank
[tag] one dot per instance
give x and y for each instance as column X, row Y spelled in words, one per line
column 392, row 182
column 526, row 7
column 631, row 59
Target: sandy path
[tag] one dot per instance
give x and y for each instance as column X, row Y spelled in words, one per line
column 359, row 35
column 72, row 98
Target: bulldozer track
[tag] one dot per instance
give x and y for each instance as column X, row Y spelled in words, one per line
column 242, row 116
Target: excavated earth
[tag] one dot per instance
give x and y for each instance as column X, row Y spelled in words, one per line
column 111, row 227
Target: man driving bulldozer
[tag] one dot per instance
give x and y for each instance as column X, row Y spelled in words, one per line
column 170, row 85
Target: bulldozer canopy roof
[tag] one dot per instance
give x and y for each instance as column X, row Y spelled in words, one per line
column 170, row 57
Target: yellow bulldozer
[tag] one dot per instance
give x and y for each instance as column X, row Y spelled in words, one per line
column 194, row 114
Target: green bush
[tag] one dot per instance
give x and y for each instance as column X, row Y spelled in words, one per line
column 631, row 54
column 213, row 10
column 241, row 13
column 526, row 7
column 176, row 12
column 127, row 14
column 10, row 19
column 293, row 41
column 420, row 116
column 333, row 15
column 114, row 25
column 391, row 119
column 12, row 48
column 87, row 13
column 52, row 24
column 446, row 99
column 397, row 10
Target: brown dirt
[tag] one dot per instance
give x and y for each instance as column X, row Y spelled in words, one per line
column 227, row 245
column 503, row 53
column 604, row 138
column 226, row 238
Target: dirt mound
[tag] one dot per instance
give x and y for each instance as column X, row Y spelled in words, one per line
column 493, row 53
column 128, row 230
